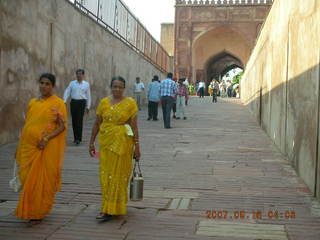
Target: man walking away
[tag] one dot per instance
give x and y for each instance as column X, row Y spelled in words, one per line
column 154, row 98
column 138, row 89
column 168, row 89
column 79, row 90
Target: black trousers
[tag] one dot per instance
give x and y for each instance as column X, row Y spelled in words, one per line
column 174, row 106
column 214, row 95
column 153, row 110
column 167, row 103
column 77, row 108
column 201, row 92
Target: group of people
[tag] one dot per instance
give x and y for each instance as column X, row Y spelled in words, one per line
column 40, row 151
column 173, row 96
column 41, row 147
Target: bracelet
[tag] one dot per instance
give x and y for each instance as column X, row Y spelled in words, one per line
column 45, row 139
column 91, row 145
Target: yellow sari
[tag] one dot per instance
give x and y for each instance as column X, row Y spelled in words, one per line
column 40, row 170
column 116, row 151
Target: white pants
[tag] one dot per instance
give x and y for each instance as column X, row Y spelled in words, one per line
column 181, row 103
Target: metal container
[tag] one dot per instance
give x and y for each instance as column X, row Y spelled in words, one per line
column 136, row 184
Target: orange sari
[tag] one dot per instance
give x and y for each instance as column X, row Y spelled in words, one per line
column 40, row 170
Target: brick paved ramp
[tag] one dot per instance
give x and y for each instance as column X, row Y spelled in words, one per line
column 218, row 163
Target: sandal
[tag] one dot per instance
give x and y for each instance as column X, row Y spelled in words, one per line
column 34, row 221
column 104, row 216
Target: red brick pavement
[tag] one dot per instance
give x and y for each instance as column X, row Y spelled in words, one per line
column 218, row 160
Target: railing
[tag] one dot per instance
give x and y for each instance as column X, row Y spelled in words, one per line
column 116, row 18
column 222, row 2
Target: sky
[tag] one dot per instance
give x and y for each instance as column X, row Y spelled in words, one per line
column 151, row 13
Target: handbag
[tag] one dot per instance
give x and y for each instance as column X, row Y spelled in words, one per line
column 136, row 184
column 15, row 183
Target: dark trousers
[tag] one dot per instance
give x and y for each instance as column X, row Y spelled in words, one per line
column 174, row 106
column 214, row 95
column 77, row 108
column 153, row 110
column 201, row 92
column 167, row 103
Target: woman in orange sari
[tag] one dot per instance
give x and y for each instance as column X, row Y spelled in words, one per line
column 116, row 118
column 40, row 152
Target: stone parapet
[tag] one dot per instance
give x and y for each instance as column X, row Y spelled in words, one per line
column 223, row 2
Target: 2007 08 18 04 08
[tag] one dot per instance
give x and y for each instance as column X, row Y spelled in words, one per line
column 253, row 214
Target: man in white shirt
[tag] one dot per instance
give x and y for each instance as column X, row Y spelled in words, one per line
column 79, row 90
column 201, row 88
column 138, row 89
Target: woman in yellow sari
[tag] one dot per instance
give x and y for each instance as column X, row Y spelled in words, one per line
column 116, row 148
column 40, row 152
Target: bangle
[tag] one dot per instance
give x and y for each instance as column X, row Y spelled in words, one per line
column 45, row 139
column 91, row 145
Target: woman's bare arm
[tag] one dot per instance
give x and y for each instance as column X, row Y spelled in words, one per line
column 94, row 133
column 134, row 125
column 60, row 128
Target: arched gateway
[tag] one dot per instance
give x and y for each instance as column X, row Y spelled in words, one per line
column 212, row 37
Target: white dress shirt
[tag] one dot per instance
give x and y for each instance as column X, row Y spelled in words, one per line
column 78, row 90
column 138, row 87
column 201, row 84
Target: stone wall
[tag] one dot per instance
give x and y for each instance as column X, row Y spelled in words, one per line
column 281, row 84
column 52, row 36
column 167, row 37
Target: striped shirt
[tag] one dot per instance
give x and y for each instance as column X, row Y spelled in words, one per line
column 182, row 90
column 168, row 87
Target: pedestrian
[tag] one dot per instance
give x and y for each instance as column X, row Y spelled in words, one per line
column 138, row 90
column 40, row 150
column 229, row 89
column 201, row 89
column 153, row 98
column 168, row 89
column 79, row 90
column 174, row 105
column 210, row 88
column 116, row 123
column 182, row 95
column 215, row 90
column 186, row 83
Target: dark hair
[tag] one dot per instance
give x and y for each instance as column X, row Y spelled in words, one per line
column 169, row 75
column 80, row 71
column 119, row 78
column 50, row 76
column 155, row 78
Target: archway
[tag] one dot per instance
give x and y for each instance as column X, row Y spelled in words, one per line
column 218, row 65
column 217, row 51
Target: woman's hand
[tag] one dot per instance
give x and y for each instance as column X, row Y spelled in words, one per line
column 42, row 144
column 137, row 153
column 92, row 150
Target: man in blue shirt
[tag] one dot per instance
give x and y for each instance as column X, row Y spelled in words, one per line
column 154, row 98
column 168, row 89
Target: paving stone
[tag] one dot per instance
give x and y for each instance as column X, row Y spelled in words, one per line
column 236, row 229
